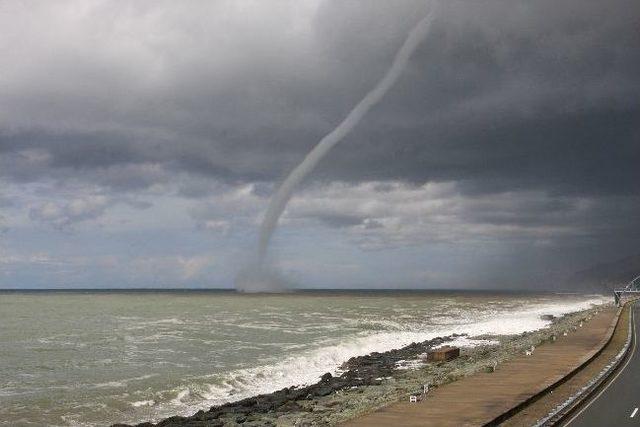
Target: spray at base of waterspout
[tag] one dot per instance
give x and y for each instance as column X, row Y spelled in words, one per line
column 258, row 278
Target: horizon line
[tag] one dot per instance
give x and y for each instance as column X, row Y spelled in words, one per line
column 296, row 290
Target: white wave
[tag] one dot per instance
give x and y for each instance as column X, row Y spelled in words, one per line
column 143, row 403
column 182, row 395
column 111, row 384
column 140, row 324
column 527, row 319
column 123, row 382
column 170, row 321
column 307, row 367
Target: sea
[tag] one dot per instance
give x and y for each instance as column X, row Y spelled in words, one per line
column 87, row 358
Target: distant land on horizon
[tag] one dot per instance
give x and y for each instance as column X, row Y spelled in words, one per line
column 605, row 276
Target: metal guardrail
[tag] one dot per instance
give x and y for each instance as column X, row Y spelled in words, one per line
column 631, row 288
column 563, row 409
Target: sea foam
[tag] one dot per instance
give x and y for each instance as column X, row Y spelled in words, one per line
column 306, row 367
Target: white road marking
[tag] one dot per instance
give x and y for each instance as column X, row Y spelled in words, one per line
column 633, row 350
column 633, row 414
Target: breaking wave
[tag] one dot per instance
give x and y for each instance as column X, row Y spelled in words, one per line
column 306, row 367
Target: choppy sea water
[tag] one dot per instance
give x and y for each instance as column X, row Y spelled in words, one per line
column 69, row 358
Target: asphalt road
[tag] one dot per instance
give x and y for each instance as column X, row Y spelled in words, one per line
column 618, row 404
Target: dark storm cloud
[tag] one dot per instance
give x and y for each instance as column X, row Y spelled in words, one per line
column 583, row 153
column 502, row 96
column 508, row 95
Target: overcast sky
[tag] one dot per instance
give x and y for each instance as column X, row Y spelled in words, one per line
column 140, row 141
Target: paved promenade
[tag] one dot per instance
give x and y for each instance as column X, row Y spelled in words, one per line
column 480, row 398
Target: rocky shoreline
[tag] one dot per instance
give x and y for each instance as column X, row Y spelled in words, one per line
column 365, row 383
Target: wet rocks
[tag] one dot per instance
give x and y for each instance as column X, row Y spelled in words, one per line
column 368, row 369
column 357, row 372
